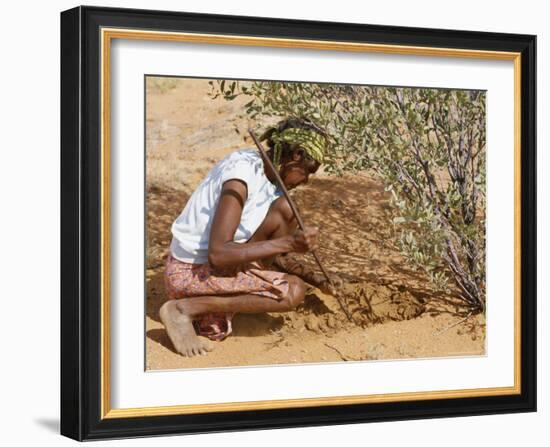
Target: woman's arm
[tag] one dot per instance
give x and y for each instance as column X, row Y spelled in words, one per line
column 224, row 252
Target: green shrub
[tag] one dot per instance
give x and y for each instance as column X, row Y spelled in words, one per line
column 426, row 145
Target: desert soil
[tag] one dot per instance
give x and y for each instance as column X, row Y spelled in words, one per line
column 396, row 313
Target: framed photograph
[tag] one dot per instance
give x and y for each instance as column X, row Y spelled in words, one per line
column 279, row 223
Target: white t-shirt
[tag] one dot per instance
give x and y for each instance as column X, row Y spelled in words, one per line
column 191, row 230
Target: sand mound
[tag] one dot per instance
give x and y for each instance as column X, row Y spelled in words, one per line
column 374, row 303
column 368, row 304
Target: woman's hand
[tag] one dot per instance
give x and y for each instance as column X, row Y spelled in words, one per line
column 303, row 241
column 330, row 288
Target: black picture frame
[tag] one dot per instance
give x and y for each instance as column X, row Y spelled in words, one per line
column 81, row 223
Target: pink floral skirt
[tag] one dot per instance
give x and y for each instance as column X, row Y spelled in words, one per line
column 184, row 280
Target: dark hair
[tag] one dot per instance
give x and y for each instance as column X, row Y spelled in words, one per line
column 287, row 150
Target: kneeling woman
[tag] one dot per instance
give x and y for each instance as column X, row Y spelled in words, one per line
column 233, row 228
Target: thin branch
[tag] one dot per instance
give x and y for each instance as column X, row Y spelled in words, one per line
column 441, row 331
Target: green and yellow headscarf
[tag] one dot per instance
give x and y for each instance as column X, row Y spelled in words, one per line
column 313, row 143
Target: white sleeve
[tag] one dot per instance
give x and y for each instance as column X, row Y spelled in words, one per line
column 241, row 170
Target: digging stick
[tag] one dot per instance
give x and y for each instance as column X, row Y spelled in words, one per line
column 296, row 214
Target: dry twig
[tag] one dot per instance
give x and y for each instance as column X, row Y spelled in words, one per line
column 441, row 331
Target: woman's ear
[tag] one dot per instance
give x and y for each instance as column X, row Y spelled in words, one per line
column 298, row 154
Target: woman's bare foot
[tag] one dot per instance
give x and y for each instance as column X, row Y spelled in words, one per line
column 181, row 331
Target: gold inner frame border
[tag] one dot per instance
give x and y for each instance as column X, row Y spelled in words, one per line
column 107, row 35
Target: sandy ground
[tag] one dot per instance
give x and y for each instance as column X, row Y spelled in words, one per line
column 396, row 314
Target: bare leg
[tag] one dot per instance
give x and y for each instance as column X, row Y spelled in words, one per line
column 279, row 222
column 177, row 315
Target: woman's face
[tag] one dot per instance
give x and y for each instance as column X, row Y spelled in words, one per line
column 294, row 171
column 293, row 174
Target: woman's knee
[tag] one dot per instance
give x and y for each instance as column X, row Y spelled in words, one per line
column 275, row 223
column 296, row 292
column 282, row 217
column 281, row 206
